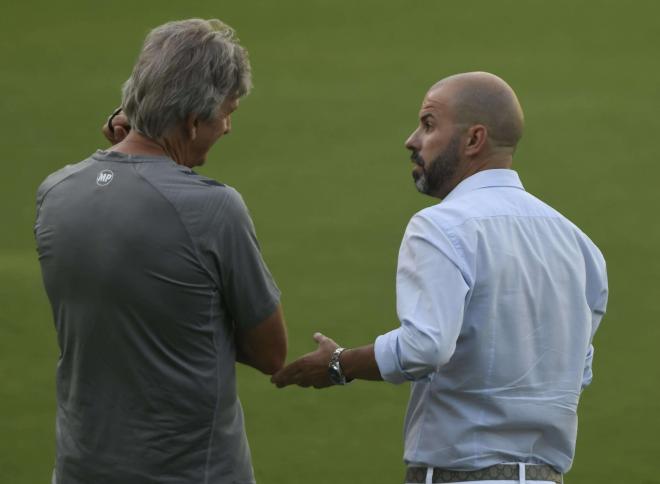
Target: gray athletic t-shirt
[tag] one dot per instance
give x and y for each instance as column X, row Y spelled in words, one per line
column 149, row 268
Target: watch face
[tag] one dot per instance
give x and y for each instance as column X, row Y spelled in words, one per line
column 335, row 375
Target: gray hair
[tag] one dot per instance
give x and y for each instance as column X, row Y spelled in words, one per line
column 185, row 67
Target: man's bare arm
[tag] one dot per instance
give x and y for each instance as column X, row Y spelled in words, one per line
column 264, row 346
column 360, row 363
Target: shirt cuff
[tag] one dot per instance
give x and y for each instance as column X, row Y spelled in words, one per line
column 387, row 357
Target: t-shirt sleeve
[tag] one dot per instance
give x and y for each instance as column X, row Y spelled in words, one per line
column 247, row 286
column 51, row 181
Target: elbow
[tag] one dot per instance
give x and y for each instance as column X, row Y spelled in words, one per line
column 272, row 365
column 426, row 357
column 442, row 357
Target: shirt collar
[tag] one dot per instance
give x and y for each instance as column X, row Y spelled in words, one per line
column 106, row 155
column 500, row 177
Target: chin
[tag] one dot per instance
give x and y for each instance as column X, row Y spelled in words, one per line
column 198, row 162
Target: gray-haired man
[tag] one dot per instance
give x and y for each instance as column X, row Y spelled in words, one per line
column 156, row 279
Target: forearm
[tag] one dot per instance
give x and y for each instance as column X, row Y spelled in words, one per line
column 360, row 363
column 264, row 347
column 243, row 355
column 268, row 363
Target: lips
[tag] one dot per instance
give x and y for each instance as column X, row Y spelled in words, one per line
column 418, row 169
column 415, row 158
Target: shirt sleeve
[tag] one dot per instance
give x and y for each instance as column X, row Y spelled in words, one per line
column 588, row 374
column 431, row 293
column 597, row 296
column 247, row 286
column 597, row 313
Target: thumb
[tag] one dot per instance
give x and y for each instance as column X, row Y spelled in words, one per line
column 319, row 338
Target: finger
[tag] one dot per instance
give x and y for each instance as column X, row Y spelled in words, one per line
column 281, row 383
column 285, row 376
column 279, row 379
column 296, row 379
column 120, row 133
column 325, row 342
column 107, row 133
column 121, row 120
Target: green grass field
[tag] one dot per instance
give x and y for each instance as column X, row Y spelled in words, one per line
column 317, row 151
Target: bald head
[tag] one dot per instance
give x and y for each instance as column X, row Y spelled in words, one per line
column 483, row 98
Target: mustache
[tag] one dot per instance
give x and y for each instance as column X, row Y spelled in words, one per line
column 416, row 158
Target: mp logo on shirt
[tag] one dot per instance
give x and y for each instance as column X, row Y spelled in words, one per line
column 104, row 178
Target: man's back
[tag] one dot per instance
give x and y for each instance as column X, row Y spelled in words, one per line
column 148, row 267
column 534, row 291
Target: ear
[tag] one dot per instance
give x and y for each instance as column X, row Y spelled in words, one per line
column 190, row 126
column 476, row 138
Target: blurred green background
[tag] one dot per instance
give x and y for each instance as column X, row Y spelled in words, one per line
column 317, row 151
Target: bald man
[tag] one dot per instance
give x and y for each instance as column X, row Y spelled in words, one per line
column 498, row 296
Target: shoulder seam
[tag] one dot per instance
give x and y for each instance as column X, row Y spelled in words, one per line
column 45, row 194
column 446, row 230
column 185, row 227
column 460, row 260
column 503, row 215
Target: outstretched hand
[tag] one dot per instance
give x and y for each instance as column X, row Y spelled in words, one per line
column 310, row 369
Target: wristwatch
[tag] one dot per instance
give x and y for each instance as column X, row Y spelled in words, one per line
column 334, row 368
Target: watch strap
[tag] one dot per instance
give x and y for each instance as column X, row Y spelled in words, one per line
column 334, row 367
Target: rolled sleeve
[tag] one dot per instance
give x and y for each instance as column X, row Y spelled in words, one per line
column 431, row 294
column 387, row 359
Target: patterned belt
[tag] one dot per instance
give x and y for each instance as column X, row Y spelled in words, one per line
column 499, row 472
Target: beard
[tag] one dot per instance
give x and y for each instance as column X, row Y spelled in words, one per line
column 439, row 171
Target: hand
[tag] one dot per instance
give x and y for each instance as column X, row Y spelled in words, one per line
column 120, row 127
column 310, row 369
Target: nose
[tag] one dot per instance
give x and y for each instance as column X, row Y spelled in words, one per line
column 412, row 143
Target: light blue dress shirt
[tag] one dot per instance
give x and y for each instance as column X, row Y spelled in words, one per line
column 499, row 297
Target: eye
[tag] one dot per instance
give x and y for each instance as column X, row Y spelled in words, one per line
column 427, row 126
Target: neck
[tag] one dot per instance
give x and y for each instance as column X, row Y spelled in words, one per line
column 497, row 158
column 138, row 144
column 491, row 161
